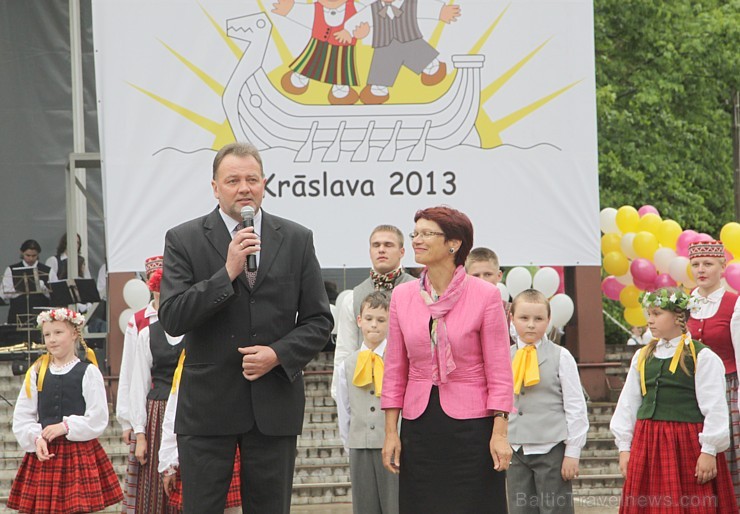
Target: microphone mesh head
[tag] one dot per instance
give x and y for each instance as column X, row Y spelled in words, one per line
column 247, row 212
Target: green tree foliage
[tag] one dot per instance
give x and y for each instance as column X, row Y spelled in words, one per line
column 665, row 73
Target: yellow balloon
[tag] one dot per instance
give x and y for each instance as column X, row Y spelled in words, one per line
column 627, row 219
column 630, row 297
column 650, row 222
column 645, row 244
column 610, row 243
column 668, row 233
column 635, row 316
column 730, row 236
column 615, row 263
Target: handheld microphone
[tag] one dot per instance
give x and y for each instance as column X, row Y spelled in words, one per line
column 247, row 213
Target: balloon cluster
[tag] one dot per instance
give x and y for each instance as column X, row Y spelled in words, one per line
column 643, row 252
column 136, row 294
column 546, row 281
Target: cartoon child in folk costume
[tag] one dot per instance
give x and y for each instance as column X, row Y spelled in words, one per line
column 398, row 42
column 328, row 57
column 671, row 423
column 61, row 410
column 716, row 323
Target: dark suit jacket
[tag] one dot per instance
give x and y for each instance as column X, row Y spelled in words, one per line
column 288, row 310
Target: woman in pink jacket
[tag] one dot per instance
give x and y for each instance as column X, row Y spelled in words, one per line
column 448, row 373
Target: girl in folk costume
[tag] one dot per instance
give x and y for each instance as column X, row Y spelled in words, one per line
column 329, row 56
column 716, row 323
column 169, row 460
column 155, row 361
column 671, row 421
column 138, row 321
column 61, row 410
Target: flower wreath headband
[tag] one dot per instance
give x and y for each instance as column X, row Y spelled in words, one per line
column 61, row 314
column 668, row 300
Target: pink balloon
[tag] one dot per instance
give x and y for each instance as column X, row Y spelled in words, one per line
column 642, row 211
column 732, row 275
column 643, row 271
column 684, row 240
column 664, row 280
column 703, row 237
column 611, row 287
column 644, row 286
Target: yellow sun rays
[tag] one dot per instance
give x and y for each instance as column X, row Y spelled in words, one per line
column 406, row 90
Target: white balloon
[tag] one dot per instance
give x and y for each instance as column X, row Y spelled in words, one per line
column 123, row 319
column 546, row 281
column 136, row 294
column 626, row 279
column 663, row 258
column 608, row 220
column 626, row 245
column 561, row 307
column 517, row 280
column 504, row 291
column 677, row 269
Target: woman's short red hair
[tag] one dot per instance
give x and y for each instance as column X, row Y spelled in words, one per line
column 454, row 224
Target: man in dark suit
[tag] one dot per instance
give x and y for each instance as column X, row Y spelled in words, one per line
column 247, row 340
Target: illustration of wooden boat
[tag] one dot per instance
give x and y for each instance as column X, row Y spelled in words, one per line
column 263, row 115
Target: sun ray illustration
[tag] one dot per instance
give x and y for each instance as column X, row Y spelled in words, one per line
column 229, row 42
column 222, row 131
column 490, row 131
column 481, row 41
column 494, row 86
column 202, row 75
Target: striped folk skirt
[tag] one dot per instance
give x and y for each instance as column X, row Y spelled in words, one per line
column 233, row 498
column 732, row 454
column 660, row 474
column 150, row 497
column 79, row 478
column 129, row 481
column 332, row 64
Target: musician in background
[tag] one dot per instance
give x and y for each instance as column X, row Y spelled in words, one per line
column 28, row 275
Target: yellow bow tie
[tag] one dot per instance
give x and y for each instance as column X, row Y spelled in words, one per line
column 525, row 368
column 369, row 370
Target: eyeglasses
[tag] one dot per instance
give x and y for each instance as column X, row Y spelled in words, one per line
column 425, row 235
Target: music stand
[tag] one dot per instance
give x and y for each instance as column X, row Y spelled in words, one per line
column 27, row 282
column 72, row 291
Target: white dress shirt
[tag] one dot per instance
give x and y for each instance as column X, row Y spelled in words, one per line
column 92, row 424
column 169, row 459
column 709, row 381
column 574, row 403
column 343, row 384
column 141, row 376
column 231, row 225
column 347, row 340
column 123, row 409
column 52, row 263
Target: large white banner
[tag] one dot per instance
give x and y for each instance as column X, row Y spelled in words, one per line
column 502, row 125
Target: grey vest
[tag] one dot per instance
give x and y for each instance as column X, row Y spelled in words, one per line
column 367, row 421
column 360, row 292
column 540, row 416
column 403, row 28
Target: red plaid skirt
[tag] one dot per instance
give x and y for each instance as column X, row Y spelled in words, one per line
column 233, row 498
column 660, row 474
column 79, row 478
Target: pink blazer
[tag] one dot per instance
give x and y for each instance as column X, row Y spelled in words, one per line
column 479, row 338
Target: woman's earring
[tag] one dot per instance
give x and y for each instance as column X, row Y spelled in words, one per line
column 452, row 250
